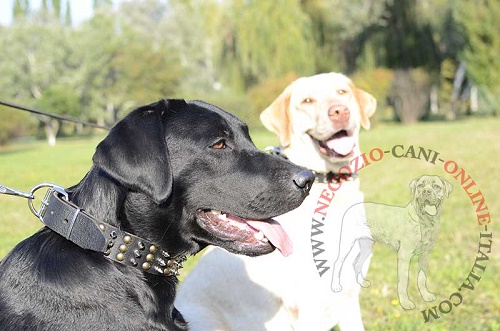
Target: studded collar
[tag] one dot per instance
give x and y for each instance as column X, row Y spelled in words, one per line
column 74, row 224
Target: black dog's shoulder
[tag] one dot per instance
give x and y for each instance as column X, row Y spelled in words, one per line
column 84, row 290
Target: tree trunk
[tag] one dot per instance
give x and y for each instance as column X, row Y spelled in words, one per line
column 51, row 129
column 410, row 94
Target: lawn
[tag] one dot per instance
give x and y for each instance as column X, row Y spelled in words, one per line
column 471, row 144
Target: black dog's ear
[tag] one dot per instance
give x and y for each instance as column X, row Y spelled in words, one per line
column 135, row 151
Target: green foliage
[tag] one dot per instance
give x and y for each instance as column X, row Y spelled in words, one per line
column 194, row 30
column 32, row 63
column 270, row 39
column 123, row 65
column 264, row 93
column 13, row 124
column 340, row 30
column 60, row 100
column 20, row 9
column 378, row 83
column 408, row 39
column 141, row 51
column 448, row 69
column 481, row 26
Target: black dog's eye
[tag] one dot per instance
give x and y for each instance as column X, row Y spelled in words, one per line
column 221, row 144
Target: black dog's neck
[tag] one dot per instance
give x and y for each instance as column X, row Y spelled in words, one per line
column 100, row 196
column 104, row 198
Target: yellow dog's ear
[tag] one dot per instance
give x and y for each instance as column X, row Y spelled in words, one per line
column 367, row 105
column 276, row 117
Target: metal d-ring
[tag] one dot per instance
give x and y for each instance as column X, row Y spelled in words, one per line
column 45, row 202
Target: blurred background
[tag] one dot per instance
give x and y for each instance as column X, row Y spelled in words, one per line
column 98, row 59
column 433, row 66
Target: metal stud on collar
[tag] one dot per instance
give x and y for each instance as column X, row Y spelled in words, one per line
column 133, row 251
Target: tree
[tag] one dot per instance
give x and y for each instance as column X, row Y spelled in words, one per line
column 32, row 64
column 341, row 30
column 194, row 30
column 268, row 39
column 408, row 37
column 59, row 100
column 121, row 63
column 67, row 16
column 20, row 9
column 481, row 26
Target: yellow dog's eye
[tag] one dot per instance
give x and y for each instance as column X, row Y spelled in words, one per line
column 221, row 144
column 341, row 92
column 307, row 100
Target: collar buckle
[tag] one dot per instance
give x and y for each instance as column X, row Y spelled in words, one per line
column 40, row 213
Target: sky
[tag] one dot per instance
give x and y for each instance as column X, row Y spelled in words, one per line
column 80, row 10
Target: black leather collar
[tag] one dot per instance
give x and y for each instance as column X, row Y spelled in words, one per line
column 333, row 177
column 74, row 224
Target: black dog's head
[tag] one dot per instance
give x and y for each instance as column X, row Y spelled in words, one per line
column 193, row 177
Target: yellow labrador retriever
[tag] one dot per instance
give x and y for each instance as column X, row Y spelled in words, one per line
column 318, row 120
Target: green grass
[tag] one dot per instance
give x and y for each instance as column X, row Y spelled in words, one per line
column 473, row 144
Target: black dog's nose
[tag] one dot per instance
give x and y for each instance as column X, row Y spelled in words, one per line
column 304, row 179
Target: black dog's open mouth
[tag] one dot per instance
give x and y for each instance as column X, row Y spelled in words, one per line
column 258, row 235
column 340, row 145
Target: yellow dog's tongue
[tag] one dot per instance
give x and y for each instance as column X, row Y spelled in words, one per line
column 275, row 234
column 342, row 145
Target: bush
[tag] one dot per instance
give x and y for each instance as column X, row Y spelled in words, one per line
column 13, row 124
column 264, row 93
column 377, row 82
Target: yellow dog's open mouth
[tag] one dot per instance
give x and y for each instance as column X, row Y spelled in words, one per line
column 255, row 234
column 340, row 145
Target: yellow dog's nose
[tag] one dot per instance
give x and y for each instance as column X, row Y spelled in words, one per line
column 339, row 113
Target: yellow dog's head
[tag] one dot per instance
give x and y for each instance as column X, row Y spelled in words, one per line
column 322, row 113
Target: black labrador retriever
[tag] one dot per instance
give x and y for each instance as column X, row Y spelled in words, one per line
column 172, row 176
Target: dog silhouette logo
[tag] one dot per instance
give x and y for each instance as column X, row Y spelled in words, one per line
column 410, row 230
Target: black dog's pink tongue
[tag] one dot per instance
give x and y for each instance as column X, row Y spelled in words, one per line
column 275, row 233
